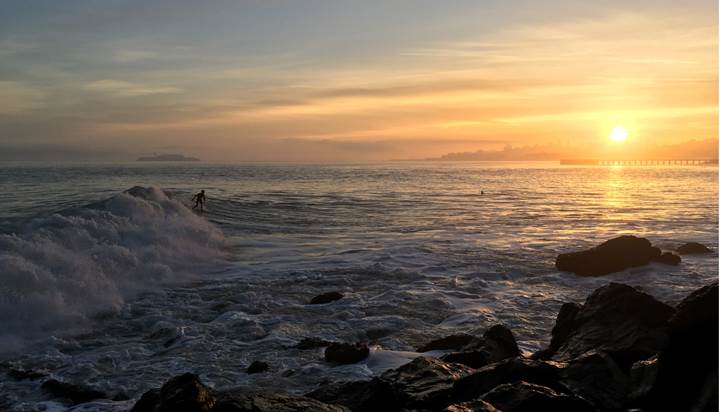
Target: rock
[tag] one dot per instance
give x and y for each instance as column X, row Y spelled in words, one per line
column 612, row 256
column 523, row 396
column 312, row 343
column 446, row 343
column 25, row 374
column 476, row 405
column 375, row 334
column 507, row 371
column 563, row 326
column 425, row 383
column 686, row 368
column 346, row 353
column 617, row 319
column 692, row 248
column 147, row 402
column 497, row 343
column 359, row 396
column 668, row 258
column 185, row 393
column 75, row 393
column 326, row 298
column 596, row 378
column 257, row 367
column 241, row 401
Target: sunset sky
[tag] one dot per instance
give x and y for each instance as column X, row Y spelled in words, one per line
column 339, row 81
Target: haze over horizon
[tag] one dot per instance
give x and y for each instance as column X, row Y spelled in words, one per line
column 354, row 81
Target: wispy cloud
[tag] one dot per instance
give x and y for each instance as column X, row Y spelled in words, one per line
column 121, row 88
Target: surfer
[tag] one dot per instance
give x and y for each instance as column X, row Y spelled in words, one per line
column 199, row 200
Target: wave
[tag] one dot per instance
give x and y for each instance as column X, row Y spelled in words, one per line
column 58, row 271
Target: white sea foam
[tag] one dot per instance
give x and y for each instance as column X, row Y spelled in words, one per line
column 61, row 269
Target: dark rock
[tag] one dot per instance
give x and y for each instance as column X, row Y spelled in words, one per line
column 75, row 393
column 496, row 344
column 476, row 405
column 612, row 256
column 312, row 343
column 596, row 377
column 257, row 367
column 147, row 402
column 374, row 334
column 185, row 393
column 643, row 375
column 687, row 365
column 359, row 396
column 617, row 319
column 522, row 396
column 346, row 353
column 668, row 258
column 693, row 248
column 25, row 374
column 507, row 371
column 564, row 324
column 448, row 342
column 425, row 383
column 241, row 401
column 326, row 298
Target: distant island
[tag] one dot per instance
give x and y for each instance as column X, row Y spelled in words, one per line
column 167, row 158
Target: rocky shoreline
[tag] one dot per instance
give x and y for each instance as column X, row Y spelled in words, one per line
column 622, row 350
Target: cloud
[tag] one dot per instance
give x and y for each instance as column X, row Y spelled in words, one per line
column 131, row 56
column 120, row 88
column 19, row 97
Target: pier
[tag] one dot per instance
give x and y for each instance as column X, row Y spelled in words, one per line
column 653, row 162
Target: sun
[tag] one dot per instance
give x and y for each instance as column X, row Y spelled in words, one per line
column 619, row 134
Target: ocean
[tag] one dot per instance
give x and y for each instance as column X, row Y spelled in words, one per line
column 121, row 291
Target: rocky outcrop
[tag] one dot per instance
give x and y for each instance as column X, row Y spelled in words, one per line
column 326, row 298
column 240, row 401
column 612, row 256
column 497, row 343
column 448, row 342
column 360, row 396
column 693, row 248
column 74, row 393
column 346, row 353
column 617, row 319
column 524, row 396
column 477, row 405
column 598, row 379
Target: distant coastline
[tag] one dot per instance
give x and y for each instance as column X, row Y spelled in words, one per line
column 167, row 158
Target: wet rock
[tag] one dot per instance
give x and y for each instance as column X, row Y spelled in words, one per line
column 686, row 368
column 617, row 319
column 425, row 383
column 326, row 298
column 241, row 401
column 25, row 374
column 476, row 405
column 524, row 396
column 359, row 396
column 183, row 393
column 497, row 343
column 692, row 248
column 374, row 334
column 612, row 256
column 147, row 402
column 668, row 258
column 312, row 343
column 257, row 367
column 346, row 353
column 75, row 393
column 448, row 342
column 564, row 324
column 507, row 371
column 597, row 378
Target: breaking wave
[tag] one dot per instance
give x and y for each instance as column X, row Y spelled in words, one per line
column 58, row 271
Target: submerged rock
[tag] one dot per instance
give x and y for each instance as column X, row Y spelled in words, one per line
column 346, row 353
column 626, row 324
column 241, row 401
column 612, row 256
column 312, row 343
column 75, row 393
column 326, row 298
column 257, row 367
column 692, row 248
column 524, row 396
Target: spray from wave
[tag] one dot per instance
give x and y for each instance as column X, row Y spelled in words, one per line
column 60, row 270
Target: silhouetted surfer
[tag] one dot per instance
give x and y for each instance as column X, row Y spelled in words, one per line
column 199, row 200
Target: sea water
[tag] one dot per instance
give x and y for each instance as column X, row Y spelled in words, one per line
column 109, row 279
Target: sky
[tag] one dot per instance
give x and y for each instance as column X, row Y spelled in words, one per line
column 352, row 81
